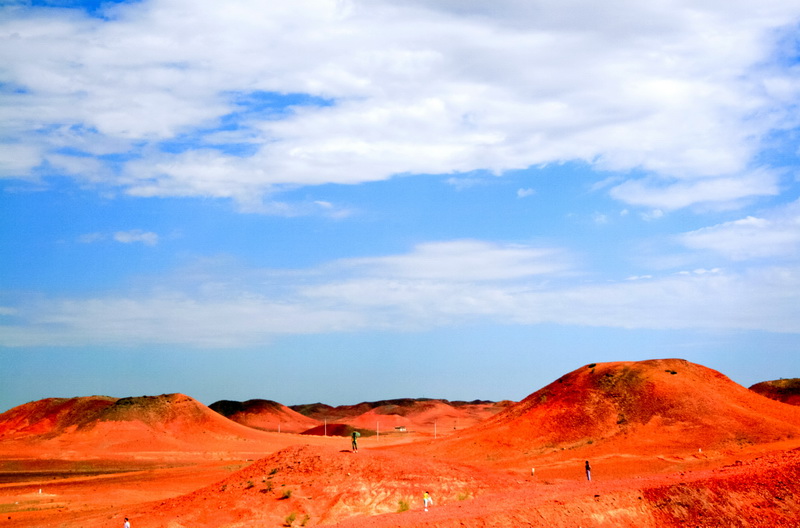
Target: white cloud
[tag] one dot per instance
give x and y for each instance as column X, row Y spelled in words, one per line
column 524, row 193
column 777, row 235
column 431, row 88
column 670, row 195
column 147, row 238
column 436, row 284
column 464, row 261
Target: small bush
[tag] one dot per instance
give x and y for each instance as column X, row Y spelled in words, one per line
column 463, row 496
column 305, row 520
column 592, row 365
column 290, row 519
column 402, row 505
column 286, row 494
column 249, row 484
column 273, row 471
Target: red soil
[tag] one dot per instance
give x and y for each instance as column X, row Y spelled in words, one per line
column 671, row 444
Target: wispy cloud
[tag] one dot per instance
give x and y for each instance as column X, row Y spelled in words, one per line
column 434, row 285
column 132, row 236
column 777, row 235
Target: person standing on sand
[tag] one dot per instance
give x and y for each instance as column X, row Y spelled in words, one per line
column 426, row 500
column 127, row 523
column 588, row 471
column 355, row 435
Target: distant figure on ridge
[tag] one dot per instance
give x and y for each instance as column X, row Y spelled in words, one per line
column 588, row 471
column 127, row 523
column 426, row 500
column 355, row 435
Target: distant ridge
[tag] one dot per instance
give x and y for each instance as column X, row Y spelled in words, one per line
column 782, row 390
column 419, row 414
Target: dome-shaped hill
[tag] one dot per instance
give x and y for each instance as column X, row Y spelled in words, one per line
column 266, row 415
column 667, row 404
column 782, row 390
column 144, row 423
column 51, row 416
column 322, row 485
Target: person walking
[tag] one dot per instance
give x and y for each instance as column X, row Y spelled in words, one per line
column 426, row 500
column 354, row 435
column 588, row 471
column 127, row 523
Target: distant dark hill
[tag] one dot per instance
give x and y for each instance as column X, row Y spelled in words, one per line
column 644, row 406
column 266, row 415
column 417, row 414
column 782, row 390
column 335, row 429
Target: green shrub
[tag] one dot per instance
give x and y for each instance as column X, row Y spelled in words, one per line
column 290, row 519
column 286, row 494
column 402, row 505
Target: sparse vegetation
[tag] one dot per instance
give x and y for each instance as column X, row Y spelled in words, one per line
column 287, row 493
column 673, row 372
column 273, row 471
column 591, row 365
column 289, row 520
column 402, row 505
column 249, row 484
column 464, row 495
column 305, row 520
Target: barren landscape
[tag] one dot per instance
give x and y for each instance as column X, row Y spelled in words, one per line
column 670, row 443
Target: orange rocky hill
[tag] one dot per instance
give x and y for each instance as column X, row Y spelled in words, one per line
column 407, row 414
column 782, row 390
column 645, row 408
column 97, row 425
column 266, row 415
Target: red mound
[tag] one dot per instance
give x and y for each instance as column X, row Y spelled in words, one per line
column 322, row 485
column 783, row 390
column 52, row 416
column 146, row 423
column 407, row 414
column 630, row 407
column 266, row 415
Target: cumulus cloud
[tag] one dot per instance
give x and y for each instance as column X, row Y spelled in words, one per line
column 442, row 87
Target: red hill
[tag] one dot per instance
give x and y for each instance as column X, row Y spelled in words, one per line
column 630, row 407
column 783, row 390
column 266, row 415
column 146, row 423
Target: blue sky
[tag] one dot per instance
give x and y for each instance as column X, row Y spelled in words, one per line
column 343, row 201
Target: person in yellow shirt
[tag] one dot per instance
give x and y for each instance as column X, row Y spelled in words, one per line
column 427, row 500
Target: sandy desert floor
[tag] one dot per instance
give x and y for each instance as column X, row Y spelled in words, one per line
column 756, row 485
